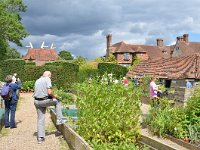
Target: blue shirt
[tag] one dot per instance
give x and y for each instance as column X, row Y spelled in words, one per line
column 188, row 84
column 15, row 87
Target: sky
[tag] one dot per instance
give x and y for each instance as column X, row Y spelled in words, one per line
column 81, row 26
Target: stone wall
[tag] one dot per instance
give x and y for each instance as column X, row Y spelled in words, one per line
column 181, row 93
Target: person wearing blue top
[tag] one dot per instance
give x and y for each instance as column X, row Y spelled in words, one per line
column 10, row 105
column 188, row 84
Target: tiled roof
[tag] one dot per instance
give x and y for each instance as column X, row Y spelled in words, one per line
column 122, row 47
column 187, row 48
column 41, row 54
column 154, row 52
column 171, row 68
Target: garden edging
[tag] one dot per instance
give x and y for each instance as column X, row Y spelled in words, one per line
column 74, row 140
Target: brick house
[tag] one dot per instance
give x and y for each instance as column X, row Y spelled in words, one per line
column 183, row 63
column 41, row 55
column 124, row 53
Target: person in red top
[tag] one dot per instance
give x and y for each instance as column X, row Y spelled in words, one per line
column 125, row 81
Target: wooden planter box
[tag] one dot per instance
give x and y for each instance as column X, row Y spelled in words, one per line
column 182, row 143
column 74, row 140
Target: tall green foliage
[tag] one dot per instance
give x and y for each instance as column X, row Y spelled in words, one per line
column 12, row 53
column 63, row 73
column 117, row 70
column 108, row 113
column 11, row 28
column 11, row 66
column 65, row 55
column 181, row 122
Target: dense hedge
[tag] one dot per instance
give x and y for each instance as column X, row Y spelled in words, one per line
column 11, row 66
column 63, row 74
column 117, row 70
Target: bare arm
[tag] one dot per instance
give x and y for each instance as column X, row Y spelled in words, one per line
column 50, row 92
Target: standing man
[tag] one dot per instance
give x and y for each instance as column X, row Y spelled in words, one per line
column 45, row 97
column 188, row 84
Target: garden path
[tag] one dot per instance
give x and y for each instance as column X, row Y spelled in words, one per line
column 24, row 136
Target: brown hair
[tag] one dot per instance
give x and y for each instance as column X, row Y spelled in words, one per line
column 8, row 78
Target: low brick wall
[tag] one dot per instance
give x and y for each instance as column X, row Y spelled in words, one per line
column 74, row 140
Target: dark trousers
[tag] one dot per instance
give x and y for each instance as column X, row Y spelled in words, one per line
column 9, row 116
column 155, row 101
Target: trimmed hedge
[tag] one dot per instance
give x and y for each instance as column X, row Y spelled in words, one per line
column 117, row 70
column 63, row 74
column 11, row 66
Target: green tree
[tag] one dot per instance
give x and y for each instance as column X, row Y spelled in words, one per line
column 111, row 58
column 65, row 55
column 12, row 53
column 11, row 28
column 79, row 60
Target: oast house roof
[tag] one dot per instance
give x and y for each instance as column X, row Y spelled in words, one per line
column 41, row 54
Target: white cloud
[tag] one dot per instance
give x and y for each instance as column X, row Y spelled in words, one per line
column 81, row 26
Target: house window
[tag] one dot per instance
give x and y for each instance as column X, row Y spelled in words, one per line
column 126, row 56
column 177, row 48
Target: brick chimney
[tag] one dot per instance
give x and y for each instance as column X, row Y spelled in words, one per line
column 109, row 40
column 159, row 42
column 186, row 37
column 178, row 39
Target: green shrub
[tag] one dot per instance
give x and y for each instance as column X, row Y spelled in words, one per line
column 28, row 86
column 65, row 97
column 180, row 122
column 118, row 70
column 11, row 66
column 30, row 63
column 108, row 113
column 87, row 71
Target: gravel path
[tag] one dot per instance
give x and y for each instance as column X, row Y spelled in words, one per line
column 24, row 136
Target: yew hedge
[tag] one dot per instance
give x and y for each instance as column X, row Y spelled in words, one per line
column 63, row 74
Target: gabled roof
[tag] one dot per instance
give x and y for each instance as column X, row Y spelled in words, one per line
column 187, row 48
column 41, row 54
column 171, row 68
column 154, row 52
column 122, row 47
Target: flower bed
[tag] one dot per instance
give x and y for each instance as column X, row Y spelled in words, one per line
column 182, row 123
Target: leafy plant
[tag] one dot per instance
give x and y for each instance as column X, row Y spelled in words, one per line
column 28, row 86
column 180, row 122
column 108, row 113
column 65, row 97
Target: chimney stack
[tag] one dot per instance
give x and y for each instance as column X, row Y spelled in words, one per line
column 109, row 40
column 178, row 39
column 186, row 37
column 160, row 42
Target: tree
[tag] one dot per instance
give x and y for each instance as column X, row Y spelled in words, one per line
column 79, row 60
column 111, row 58
column 11, row 28
column 12, row 54
column 65, row 55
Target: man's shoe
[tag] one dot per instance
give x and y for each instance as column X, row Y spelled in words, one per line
column 59, row 122
column 13, row 127
column 40, row 140
column 7, row 126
